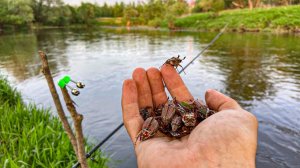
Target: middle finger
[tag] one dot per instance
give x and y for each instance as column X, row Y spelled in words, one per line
column 144, row 92
column 159, row 95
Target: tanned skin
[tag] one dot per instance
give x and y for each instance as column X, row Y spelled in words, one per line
column 226, row 139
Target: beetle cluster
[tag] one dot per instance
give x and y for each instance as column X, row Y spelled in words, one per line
column 174, row 118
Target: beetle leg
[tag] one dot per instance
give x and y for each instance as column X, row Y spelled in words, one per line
column 177, row 69
column 182, row 68
column 175, row 134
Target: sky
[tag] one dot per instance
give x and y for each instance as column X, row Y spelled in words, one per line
column 100, row 2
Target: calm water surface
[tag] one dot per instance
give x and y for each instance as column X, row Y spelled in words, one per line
column 261, row 71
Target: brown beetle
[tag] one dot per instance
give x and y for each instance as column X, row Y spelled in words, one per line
column 189, row 119
column 201, row 109
column 173, row 118
column 182, row 131
column 175, row 61
column 149, row 129
column 176, row 123
column 168, row 112
column 158, row 109
column 147, row 112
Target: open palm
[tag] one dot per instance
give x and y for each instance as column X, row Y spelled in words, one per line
column 226, row 139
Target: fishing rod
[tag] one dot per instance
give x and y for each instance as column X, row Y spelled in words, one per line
column 89, row 154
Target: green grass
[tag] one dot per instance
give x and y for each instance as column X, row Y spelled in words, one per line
column 277, row 18
column 107, row 21
column 31, row 137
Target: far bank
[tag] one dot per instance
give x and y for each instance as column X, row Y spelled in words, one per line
column 276, row 19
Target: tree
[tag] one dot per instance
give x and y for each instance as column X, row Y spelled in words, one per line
column 74, row 17
column 130, row 13
column 15, row 12
column 250, row 4
column 197, row 8
column 118, row 9
column 175, row 9
column 42, row 9
column 59, row 16
column 86, row 13
column 212, row 5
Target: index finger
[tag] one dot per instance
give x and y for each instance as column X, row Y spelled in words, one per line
column 130, row 108
column 175, row 84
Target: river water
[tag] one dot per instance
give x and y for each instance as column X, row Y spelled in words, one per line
column 261, row 71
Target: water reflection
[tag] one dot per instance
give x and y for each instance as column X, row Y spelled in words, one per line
column 17, row 54
column 261, row 71
column 243, row 62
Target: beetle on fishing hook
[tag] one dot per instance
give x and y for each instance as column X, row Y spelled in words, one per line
column 175, row 62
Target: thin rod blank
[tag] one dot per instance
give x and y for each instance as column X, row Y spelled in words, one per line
column 211, row 43
column 89, row 154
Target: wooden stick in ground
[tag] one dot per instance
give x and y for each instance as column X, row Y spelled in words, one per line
column 77, row 118
column 60, row 111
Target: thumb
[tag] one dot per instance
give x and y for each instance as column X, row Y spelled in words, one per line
column 218, row 101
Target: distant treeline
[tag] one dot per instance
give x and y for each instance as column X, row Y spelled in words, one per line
column 53, row 12
column 20, row 13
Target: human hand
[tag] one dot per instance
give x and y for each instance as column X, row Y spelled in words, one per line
column 225, row 139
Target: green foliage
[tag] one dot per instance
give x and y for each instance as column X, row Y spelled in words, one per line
column 175, row 9
column 118, row 9
column 212, row 5
column 197, row 8
column 46, row 11
column 155, row 11
column 8, row 95
column 55, row 12
column 156, row 22
column 130, row 13
column 86, row 13
column 31, row 137
column 178, row 8
column 15, row 12
column 256, row 19
column 60, row 16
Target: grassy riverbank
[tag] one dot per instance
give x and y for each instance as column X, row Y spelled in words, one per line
column 272, row 19
column 31, row 137
column 276, row 19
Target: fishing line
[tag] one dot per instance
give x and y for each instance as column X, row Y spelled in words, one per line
column 89, row 154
